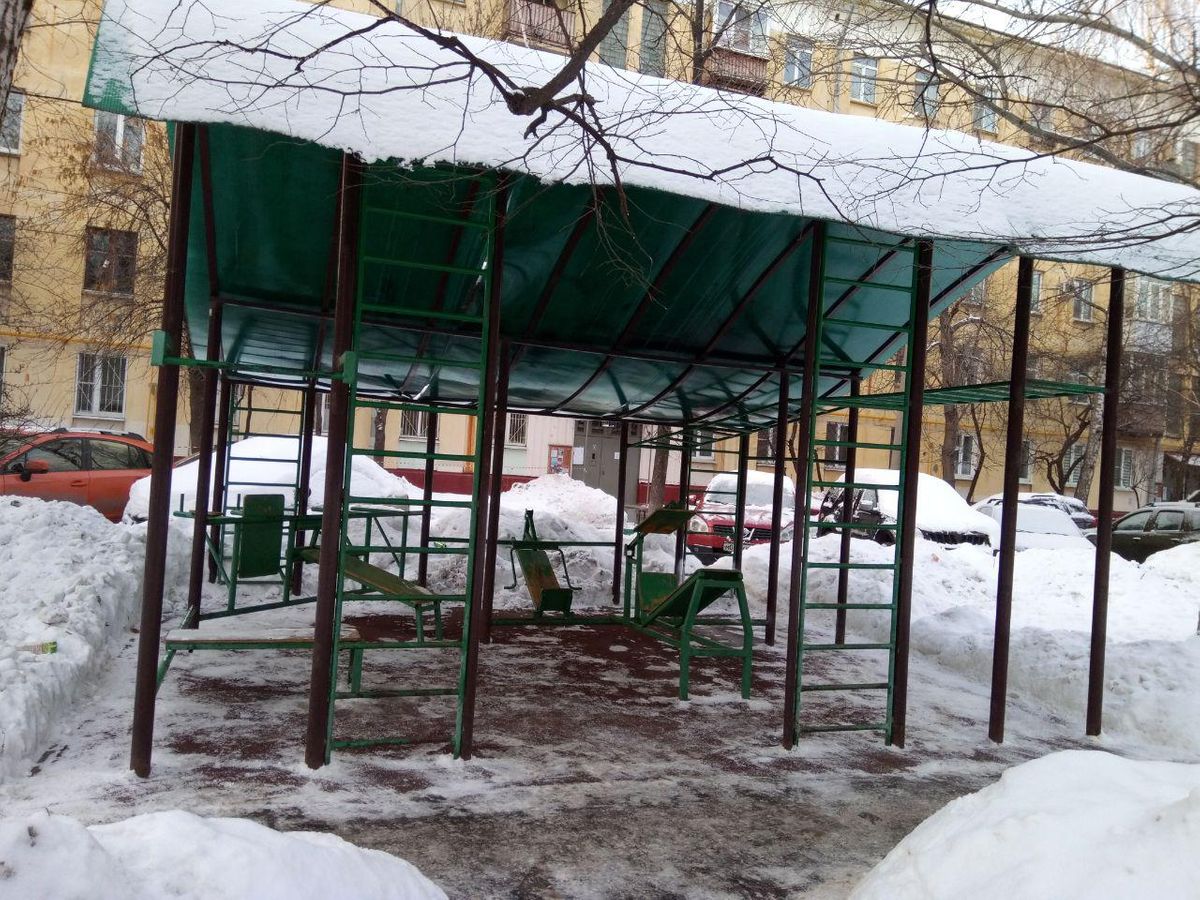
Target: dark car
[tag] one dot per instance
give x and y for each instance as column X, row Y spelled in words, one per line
column 91, row 468
column 1153, row 528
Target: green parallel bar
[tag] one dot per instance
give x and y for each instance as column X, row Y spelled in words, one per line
column 369, row 742
column 424, row 217
column 874, row 245
column 408, row 313
column 398, row 645
column 426, row 266
column 395, row 405
column 852, row 566
column 848, row 606
column 432, row 361
column 266, row 409
column 260, row 607
column 856, row 485
column 863, row 526
column 871, row 726
column 551, row 545
column 516, row 621
column 860, row 686
column 876, row 326
column 431, row 551
column 808, row 647
column 858, row 445
column 412, row 454
column 826, row 363
column 410, row 501
column 396, row 692
column 853, row 282
column 298, row 644
column 261, row 483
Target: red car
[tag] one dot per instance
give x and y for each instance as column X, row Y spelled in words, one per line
column 710, row 534
column 91, row 468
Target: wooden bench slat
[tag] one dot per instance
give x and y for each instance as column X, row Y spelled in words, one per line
column 245, row 635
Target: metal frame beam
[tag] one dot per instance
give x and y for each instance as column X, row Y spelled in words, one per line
column 781, row 425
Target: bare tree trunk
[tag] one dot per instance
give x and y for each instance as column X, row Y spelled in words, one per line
column 1091, row 453
column 951, row 415
column 658, row 476
column 977, row 423
column 195, row 400
column 952, row 419
column 379, row 441
column 13, row 15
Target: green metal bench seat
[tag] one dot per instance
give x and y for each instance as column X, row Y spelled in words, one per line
column 378, row 579
column 546, row 591
column 710, row 584
column 246, row 638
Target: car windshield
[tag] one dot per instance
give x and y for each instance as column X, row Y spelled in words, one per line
column 721, row 493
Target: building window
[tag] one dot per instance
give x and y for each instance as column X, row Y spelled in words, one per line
column 10, row 123
column 119, row 141
column 1035, row 293
column 8, row 237
column 863, row 74
column 1155, row 301
column 984, row 112
column 837, row 431
column 925, row 96
column 414, row 423
column 111, row 261
column 1187, row 159
column 1073, row 462
column 100, row 385
column 1080, row 292
column 797, row 63
column 1042, row 118
column 965, row 461
column 518, row 428
column 1143, row 147
column 1025, row 464
column 653, row 53
column 1123, row 475
column 976, row 294
column 764, row 445
column 740, row 29
column 704, row 445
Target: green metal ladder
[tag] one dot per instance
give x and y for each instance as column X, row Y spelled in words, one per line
column 469, row 321
column 876, row 656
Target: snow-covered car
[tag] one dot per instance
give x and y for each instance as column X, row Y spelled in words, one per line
column 710, row 534
column 942, row 515
column 1038, row 526
column 1072, row 506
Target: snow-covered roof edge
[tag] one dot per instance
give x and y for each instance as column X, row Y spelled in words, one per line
column 391, row 94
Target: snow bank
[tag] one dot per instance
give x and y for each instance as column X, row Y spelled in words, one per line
column 1180, row 563
column 252, row 461
column 1073, row 824
column 939, row 506
column 70, row 576
column 177, row 854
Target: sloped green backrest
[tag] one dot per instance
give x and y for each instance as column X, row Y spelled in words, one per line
column 262, row 535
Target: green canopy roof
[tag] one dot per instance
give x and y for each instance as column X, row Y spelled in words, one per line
column 672, row 309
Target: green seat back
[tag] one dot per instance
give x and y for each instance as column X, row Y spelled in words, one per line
column 261, row 535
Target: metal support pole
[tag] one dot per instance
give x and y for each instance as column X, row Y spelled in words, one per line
column 739, row 517
column 816, row 279
column 204, row 469
column 780, row 451
column 685, row 488
column 316, row 750
column 914, row 404
column 431, row 429
column 843, row 591
column 473, row 621
column 619, row 536
column 165, row 410
column 224, row 408
column 308, row 424
column 1012, row 484
column 1108, row 461
column 500, row 414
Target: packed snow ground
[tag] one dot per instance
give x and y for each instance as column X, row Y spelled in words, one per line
column 228, row 754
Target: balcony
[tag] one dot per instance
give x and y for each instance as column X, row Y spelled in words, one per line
column 539, row 24
column 736, row 70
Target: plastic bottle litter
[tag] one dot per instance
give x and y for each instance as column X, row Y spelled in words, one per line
column 40, row 648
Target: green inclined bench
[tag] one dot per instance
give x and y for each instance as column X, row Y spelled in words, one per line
column 547, row 593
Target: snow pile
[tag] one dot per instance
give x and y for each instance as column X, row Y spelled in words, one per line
column 1072, row 824
column 177, row 854
column 69, row 576
column 252, row 461
column 382, row 91
column 1039, row 526
column 1181, row 563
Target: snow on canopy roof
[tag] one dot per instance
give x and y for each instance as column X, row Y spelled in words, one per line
column 385, row 92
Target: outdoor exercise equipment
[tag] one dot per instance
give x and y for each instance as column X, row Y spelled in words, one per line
column 663, row 607
column 539, row 576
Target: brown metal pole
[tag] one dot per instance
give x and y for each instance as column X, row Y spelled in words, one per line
column 316, row 745
column 473, row 619
column 500, row 414
column 739, row 518
column 804, row 468
column 1012, row 485
column 685, row 488
column 204, row 469
column 781, row 425
column 308, row 423
column 843, row 591
column 224, row 408
column 165, row 410
column 619, row 536
column 1108, row 461
column 431, row 428
column 918, row 347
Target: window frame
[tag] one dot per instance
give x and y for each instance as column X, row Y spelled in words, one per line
column 516, row 429
column 7, row 256
column 1124, row 455
column 1082, row 294
column 1035, row 293
column 18, row 97
column 924, row 107
column 796, row 50
column 421, row 431
column 741, row 30
column 708, row 452
column 112, row 256
column 984, row 116
column 864, row 73
column 121, row 132
column 1073, row 452
column 1025, row 463
column 961, row 445
column 836, row 457
column 97, row 385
